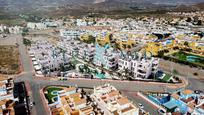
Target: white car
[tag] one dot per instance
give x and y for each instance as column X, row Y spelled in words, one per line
column 140, row 106
column 31, row 104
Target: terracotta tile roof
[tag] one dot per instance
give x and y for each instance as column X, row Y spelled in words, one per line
column 56, row 111
column 187, row 92
column 176, row 113
column 2, row 102
column 75, row 95
column 115, row 112
column 2, row 84
column 2, row 78
column 127, row 109
column 175, row 96
column 123, row 101
column 187, row 100
column 87, row 110
column 70, row 89
column 191, row 105
column 113, row 93
column 79, row 102
column 64, row 101
column 76, row 112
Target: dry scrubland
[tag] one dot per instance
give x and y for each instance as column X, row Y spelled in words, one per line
column 9, row 60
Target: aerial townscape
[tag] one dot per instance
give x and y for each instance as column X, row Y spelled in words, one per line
column 101, row 57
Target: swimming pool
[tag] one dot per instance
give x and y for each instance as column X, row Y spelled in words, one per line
column 54, row 93
column 192, row 58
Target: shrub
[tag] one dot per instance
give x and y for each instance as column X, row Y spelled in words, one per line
column 195, row 74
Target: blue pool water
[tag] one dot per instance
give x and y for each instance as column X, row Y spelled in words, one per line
column 192, row 58
column 55, row 98
column 54, row 92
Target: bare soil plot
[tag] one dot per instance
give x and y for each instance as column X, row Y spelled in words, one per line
column 9, row 60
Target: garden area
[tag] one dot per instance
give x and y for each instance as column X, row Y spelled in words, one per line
column 167, row 78
column 9, row 60
column 50, row 93
column 190, row 59
column 93, row 72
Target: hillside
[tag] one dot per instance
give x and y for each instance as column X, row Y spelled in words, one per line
column 83, row 7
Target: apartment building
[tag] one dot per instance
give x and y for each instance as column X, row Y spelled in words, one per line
column 70, row 33
column 37, row 25
column 105, row 57
column 139, row 65
column 86, row 52
column 45, row 55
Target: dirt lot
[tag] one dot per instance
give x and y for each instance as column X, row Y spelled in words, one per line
column 183, row 70
column 9, row 60
column 48, row 35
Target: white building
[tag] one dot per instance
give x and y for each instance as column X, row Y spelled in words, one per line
column 46, row 55
column 38, row 26
column 69, row 34
column 6, row 88
column 140, row 66
column 105, row 57
column 112, row 102
column 86, row 52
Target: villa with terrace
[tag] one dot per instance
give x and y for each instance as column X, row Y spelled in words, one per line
column 7, row 99
column 67, row 101
column 112, row 102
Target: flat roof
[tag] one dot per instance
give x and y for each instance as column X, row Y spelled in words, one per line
column 170, row 104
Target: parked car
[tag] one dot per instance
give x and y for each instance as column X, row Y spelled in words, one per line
column 161, row 112
column 140, row 106
column 198, row 91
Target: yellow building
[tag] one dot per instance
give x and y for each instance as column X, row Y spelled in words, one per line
column 123, row 40
column 87, row 38
column 103, row 39
column 126, row 44
column 155, row 47
column 197, row 48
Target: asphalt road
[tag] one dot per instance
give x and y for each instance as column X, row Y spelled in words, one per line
column 37, row 83
column 196, row 84
column 27, row 75
column 135, row 99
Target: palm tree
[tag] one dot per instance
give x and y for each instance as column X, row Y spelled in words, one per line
column 117, row 46
column 186, row 44
column 124, row 46
column 81, row 70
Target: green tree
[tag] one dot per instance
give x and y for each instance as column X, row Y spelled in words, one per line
column 161, row 53
column 186, row 44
